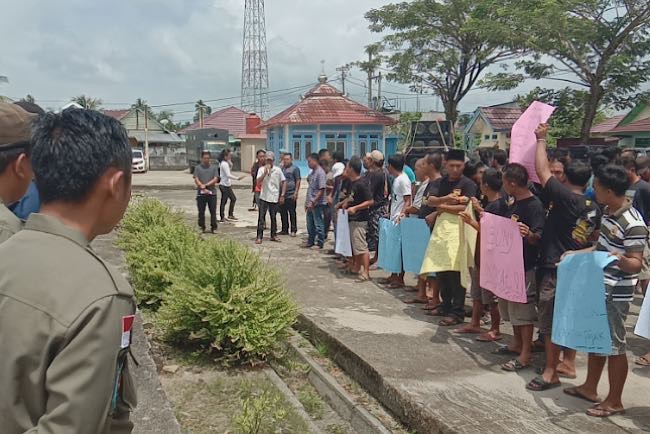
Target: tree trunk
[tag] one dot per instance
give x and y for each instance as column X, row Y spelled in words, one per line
column 592, row 101
column 451, row 113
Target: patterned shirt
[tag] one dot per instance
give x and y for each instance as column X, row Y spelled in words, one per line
column 317, row 181
column 623, row 232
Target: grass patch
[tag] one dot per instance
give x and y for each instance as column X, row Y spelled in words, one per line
column 311, row 400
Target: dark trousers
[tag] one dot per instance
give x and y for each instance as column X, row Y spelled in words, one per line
column 227, row 193
column 327, row 218
column 288, row 215
column 315, row 225
column 211, row 201
column 452, row 294
column 272, row 209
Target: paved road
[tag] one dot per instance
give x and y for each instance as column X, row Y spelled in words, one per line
column 424, row 373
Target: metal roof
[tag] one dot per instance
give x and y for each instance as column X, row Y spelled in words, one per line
column 117, row 114
column 501, row 118
column 640, row 126
column 231, row 119
column 326, row 105
column 156, row 137
column 607, row 125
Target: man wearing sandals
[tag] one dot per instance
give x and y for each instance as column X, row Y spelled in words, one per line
column 624, row 235
column 571, row 224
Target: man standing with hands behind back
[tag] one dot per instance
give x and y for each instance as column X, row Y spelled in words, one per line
column 273, row 190
column 206, row 177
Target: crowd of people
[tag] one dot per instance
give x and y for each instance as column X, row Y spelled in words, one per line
column 598, row 204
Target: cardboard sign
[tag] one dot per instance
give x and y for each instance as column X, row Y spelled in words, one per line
column 390, row 241
column 343, row 244
column 523, row 145
column 415, row 239
column 643, row 324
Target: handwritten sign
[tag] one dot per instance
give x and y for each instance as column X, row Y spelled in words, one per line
column 343, row 245
column 580, row 314
column 523, row 146
column 444, row 245
column 390, row 240
column 415, row 239
column 643, row 324
column 502, row 258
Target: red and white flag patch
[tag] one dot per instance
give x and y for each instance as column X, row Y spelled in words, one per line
column 127, row 325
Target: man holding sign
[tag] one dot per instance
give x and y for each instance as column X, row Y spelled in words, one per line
column 571, row 224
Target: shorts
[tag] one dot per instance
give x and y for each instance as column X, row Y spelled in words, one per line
column 477, row 293
column 546, row 300
column 645, row 268
column 617, row 315
column 358, row 240
column 373, row 226
column 520, row 314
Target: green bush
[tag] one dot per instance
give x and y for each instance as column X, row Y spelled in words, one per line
column 229, row 300
column 216, row 294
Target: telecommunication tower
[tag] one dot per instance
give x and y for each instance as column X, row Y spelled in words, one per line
column 254, row 70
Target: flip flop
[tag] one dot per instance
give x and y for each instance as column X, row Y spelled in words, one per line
column 504, row 351
column 462, row 331
column 449, row 322
column 540, row 371
column 435, row 312
column 643, row 360
column 411, row 289
column 415, row 301
column 513, row 365
column 362, row 279
column 538, row 384
column 486, row 337
column 603, row 412
column 575, row 392
column 431, row 307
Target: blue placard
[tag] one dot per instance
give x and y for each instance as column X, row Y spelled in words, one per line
column 390, row 242
column 415, row 240
column 580, row 314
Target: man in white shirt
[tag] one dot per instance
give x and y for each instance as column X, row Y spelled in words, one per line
column 401, row 195
column 225, row 185
column 272, row 181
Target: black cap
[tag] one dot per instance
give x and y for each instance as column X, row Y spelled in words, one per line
column 456, row 154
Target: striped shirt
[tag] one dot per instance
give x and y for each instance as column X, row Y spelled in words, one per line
column 623, row 232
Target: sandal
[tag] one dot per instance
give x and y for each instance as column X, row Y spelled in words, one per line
column 538, row 384
column 415, row 301
column 410, row 289
column 430, row 306
column 487, row 337
column 603, row 412
column 362, row 279
column 450, row 321
column 540, row 371
column 576, row 393
column 505, row 351
column 513, row 365
column 643, row 360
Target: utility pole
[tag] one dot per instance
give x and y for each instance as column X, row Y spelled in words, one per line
column 371, row 70
column 379, row 104
column 146, row 138
column 201, row 108
column 344, row 73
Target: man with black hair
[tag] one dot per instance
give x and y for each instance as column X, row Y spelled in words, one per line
column 571, row 224
column 15, row 167
column 499, row 159
column 288, row 208
column 273, row 191
column 206, row 177
column 357, row 204
column 378, row 185
column 528, row 211
column 643, row 165
column 454, row 193
column 225, row 186
column 624, row 235
column 558, row 169
column 259, row 162
column 66, row 315
column 315, row 203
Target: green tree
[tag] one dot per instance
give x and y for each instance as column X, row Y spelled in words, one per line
column 200, row 105
column 30, row 99
column 442, row 45
column 166, row 118
column 87, row 102
column 602, row 46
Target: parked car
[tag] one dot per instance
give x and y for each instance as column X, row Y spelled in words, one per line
column 138, row 165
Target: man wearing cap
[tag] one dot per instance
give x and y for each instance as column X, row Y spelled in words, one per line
column 15, row 167
column 378, row 184
column 273, row 191
column 66, row 315
column 454, row 192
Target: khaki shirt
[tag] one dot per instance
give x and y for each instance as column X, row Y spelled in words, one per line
column 64, row 364
column 9, row 223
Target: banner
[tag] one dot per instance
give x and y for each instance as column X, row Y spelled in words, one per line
column 444, row 245
column 643, row 324
column 580, row 314
column 502, row 258
column 523, row 144
column 390, row 240
column 343, row 244
column 468, row 237
column 415, row 239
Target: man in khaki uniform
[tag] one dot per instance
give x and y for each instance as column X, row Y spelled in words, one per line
column 66, row 315
column 15, row 168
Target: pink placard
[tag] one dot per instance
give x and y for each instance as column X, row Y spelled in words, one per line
column 523, row 144
column 502, row 258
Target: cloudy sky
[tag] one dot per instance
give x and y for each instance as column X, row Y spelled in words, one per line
column 173, row 51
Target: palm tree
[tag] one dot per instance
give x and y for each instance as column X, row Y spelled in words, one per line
column 87, row 102
column 166, row 118
column 199, row 107
column 30, row 99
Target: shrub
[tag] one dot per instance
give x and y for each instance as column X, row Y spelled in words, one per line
column 143, row 215
column 230, row 301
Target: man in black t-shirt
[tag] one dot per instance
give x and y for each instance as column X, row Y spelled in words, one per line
column 639, row 194
column 528, row 211
column 454, row 193
column 571, row 224
column 357, row 204
column 377, row 183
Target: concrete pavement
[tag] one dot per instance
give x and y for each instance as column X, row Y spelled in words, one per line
column 431, row 379
column 178, row 180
